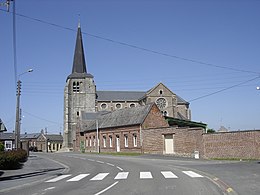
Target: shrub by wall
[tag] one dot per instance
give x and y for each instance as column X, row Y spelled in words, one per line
column 12, row 159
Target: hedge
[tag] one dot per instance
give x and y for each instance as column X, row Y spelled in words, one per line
column 12, row 159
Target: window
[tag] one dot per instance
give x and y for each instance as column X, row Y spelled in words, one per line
column 103, row 106
column 126, row 141
column 86, row 142
column 90, row 142
column 110, row 141
column 165, row 113
column 104, row 141
column 75, row 87
column 132, row 105
column 161, row 92
column 135, row 140
column 118, row 106
column 161, row 103
column 94, row 141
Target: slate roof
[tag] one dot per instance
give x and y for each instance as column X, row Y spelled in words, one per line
column 119, row 118
column 54, row 137
column 30, row 136
column 127, row 96
column 79, row 69
column 119, row 95
column 6, row 136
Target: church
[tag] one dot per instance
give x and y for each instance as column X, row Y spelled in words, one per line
column 81, row 98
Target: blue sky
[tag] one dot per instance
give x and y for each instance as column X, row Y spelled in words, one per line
column 177, row 35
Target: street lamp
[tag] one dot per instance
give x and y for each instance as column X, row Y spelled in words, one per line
column 258, row 87
column 18, row 112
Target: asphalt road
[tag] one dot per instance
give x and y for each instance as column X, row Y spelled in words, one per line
column 76, row 174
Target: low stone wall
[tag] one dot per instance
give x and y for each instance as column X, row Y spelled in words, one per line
column 239, row 144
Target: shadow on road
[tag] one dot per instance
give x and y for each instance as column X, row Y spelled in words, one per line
column 32, row 174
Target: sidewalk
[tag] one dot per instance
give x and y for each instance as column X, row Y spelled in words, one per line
column 36, row 169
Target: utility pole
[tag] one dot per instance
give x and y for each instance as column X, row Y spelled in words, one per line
column 18, row 111
column 18, row 118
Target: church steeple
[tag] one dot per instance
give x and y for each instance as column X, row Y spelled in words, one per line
column 79, row 69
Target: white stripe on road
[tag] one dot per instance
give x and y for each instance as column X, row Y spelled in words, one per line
column 192, row 174
column 119, row 168
column 100, row 162
column 168, row 174
column 106, row 189
column 146, row 175
column 99, row 177
column 58, row 178
column 122, row 175
column 78, row 177
column 110, row 164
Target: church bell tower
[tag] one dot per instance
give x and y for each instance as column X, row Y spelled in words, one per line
column 79, row 94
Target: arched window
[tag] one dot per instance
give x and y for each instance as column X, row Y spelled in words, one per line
column 76, row 87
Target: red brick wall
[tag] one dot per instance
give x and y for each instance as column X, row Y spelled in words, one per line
column 154, row 119
column 185, row 140
column 113, row 132
column 239, row 144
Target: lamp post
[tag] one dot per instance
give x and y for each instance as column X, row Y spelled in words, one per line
column 18, row 111
column 258, row 87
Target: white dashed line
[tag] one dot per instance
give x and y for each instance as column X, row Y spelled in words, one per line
column 119, row 168
column 110, row 164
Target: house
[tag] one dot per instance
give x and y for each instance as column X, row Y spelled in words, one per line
column 120, row 130
column 142, row 129
column 8, row 140
column 34, row 141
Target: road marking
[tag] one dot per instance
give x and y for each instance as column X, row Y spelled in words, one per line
column 100, row 162
column 78, row 177
column 192, row 174
column 82, row 158
column 119, row 168
column 99, row 177
column 50, row 188
column 122, row 175
column 107, row 188
column 91, row 160
column 57, row 178
column 110, row 164
column 146, row 175
column 168, row 174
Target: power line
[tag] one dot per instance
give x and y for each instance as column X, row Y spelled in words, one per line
column 138, row 47
column 43, row 119
column 227, row 88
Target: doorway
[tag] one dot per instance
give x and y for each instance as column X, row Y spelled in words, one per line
column 168, row 142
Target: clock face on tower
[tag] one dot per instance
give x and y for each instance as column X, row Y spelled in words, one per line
column 161, row 103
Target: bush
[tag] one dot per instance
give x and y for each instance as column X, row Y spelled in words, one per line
column 2, row 147
column 12, row 159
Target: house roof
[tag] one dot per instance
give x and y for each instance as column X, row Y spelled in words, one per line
column 184, row 123
column 118, row 118
column 30, row 135
column 54, row 137
column 6, row 136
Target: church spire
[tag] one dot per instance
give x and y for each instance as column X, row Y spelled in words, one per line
column 79, row 64
column 79, row 69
